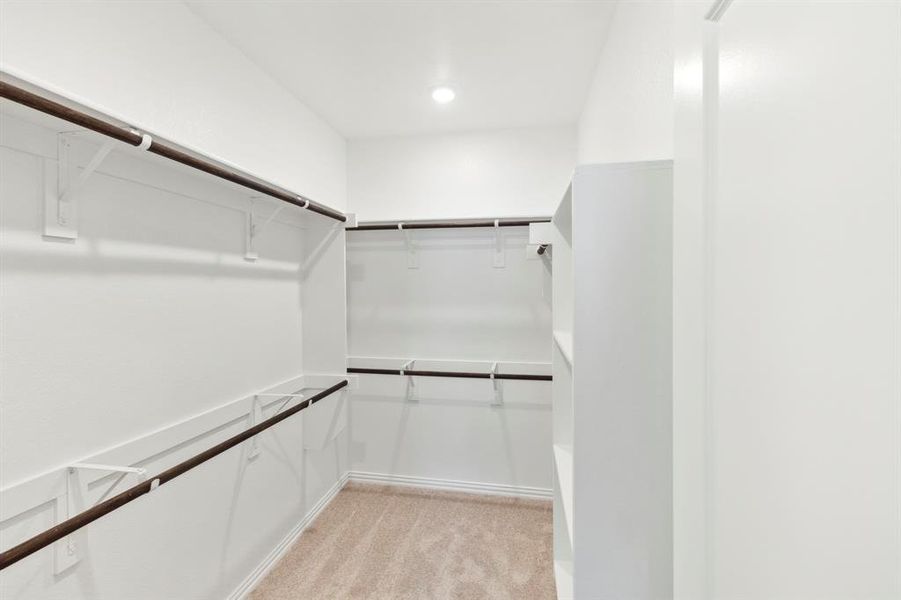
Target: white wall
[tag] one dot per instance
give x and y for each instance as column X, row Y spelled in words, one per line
column 628, row 115
column 157, row 66
column 456, row 306
column 152, row 316
column 450, row 434
column 787, row 420
column 517, row 172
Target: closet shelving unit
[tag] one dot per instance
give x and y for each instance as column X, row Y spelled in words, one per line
column 409, row 368
column 133, row 137
column 563, row 290
column 448, row 224
column 36, row 110
column 33, row 544
column 405, row 367
column 612, row 282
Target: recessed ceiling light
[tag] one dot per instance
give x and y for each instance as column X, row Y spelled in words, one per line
column 443, row 95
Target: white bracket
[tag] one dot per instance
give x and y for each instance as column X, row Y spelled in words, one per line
column 141, row 472
column 412, row 256
column 254, row 228
column 287, row 397
column 499, row 254
column 498, row 389
column 411, row 383
column 65, row 551
column 541, row 233
column 61, row 191
column 256, row 417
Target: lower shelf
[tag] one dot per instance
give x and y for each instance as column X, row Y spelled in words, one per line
column 563, row 574
column 563, row 463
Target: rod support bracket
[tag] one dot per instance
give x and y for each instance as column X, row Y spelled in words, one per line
column 410, row 394
column 412, row 255
column 254, row 226
column 65, row 551
column 498, row 398
column 256, row 417
column 146, row 140
column 541, row 236
column 141, row 472
column 61, row 186
column 499, row 254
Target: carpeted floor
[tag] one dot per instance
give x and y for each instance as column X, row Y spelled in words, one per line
column 396, row 543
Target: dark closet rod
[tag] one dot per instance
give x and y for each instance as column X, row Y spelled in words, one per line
column 447, row 224
column 542, row 249
column 129, row 136
column 467, row 375
column 67, row 527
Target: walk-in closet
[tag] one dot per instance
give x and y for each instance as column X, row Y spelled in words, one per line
column 450, row 300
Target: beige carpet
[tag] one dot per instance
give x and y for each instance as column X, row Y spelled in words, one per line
column 387, row 542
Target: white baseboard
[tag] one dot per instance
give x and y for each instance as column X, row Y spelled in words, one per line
column 471, row 487
column 256, row 576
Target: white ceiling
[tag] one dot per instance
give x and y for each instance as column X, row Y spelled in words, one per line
column 368, row 67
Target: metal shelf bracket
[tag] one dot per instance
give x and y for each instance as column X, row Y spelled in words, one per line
column 412, row 255
column 541, row 236
column 255, row 226
column 498, row 398
column 256, row 417
column 65, row 551
column 499, row 254
column 61, row 187
column 410, row 395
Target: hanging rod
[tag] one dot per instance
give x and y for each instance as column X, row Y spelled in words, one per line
column 542, row 249
column 134, row 138
column 467, row 375
column 448, row 224
column 67, row 527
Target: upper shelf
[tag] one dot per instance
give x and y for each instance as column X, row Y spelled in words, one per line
column 94, row 121
column 564, row 341
column 563, row 217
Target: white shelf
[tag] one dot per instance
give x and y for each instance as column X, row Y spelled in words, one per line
column 563, row 460
column 563, row 216
column 564, row 341
column 612, row 234
column 563, row 289
column 563, row 575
